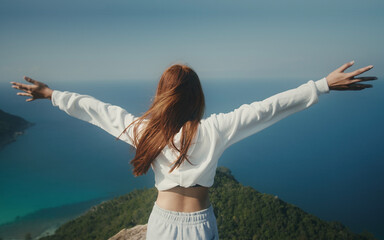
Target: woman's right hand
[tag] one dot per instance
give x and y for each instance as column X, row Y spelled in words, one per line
column 339, row 80
column 37, row 90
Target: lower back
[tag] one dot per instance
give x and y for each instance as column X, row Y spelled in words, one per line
column 182, row 199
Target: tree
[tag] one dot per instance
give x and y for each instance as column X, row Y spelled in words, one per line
column 28, row 236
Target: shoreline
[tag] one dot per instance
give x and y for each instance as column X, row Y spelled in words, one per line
column 46, row 221
column 11, row 127
column 14, row 136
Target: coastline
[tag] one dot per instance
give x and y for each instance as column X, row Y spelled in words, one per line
column 14, row 136
column 44, row 222
column 11, row 127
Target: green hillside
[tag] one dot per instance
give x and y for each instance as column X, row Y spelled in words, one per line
column 242, row 213
column 10, row 127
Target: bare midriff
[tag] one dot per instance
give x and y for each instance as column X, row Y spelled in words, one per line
column 182, row 199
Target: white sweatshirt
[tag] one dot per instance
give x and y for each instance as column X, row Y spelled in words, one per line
column 214, row 135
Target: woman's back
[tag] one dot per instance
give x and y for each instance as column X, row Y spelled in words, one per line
column 182, row 199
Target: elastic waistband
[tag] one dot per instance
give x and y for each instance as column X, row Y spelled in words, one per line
column 183, row 217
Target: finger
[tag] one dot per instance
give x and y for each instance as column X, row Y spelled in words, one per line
column 363, row 79
column 16, row 84
column 20, row 86
column 345, row 66
column 24, row 94
column 29, row 99
column 28, row 79
column 357, row 87
column 360, row 71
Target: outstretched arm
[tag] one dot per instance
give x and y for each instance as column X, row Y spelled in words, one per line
column 252, row 118
column 112, row 119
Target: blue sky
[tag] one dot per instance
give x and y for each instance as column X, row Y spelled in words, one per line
column 221, row 39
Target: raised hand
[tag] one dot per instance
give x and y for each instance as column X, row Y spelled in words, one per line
column 339, row 80
column 36, row 90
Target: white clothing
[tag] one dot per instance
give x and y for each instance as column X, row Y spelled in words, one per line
column 214, row 135
column 164, row 225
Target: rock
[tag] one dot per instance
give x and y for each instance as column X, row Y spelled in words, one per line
column 136, row 233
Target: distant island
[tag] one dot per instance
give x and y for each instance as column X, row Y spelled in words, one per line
column 241, row 211
column 11, row 126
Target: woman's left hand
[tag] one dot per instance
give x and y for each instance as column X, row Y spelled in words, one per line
column 340, row 80
column 37, row 90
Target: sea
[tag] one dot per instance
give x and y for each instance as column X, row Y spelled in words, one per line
column 327, row 160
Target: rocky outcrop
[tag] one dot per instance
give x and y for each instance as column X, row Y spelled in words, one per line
column 136, row 233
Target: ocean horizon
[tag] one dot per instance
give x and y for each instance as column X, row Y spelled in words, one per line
column 327, row 160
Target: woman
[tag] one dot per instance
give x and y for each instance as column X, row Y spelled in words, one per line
column 182, row 148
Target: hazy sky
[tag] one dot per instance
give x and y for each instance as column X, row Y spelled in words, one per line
column 221, row 39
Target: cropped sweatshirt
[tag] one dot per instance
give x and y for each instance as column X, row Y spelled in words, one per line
column 214, row 134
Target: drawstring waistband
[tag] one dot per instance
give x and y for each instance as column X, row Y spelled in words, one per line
column 183, row 217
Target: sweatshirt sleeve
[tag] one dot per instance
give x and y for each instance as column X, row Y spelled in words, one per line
column 112, row 119
column 251, row 118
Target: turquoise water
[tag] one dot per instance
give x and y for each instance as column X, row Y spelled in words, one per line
column 327, row 160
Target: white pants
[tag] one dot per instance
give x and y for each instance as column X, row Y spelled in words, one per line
column 165, row 224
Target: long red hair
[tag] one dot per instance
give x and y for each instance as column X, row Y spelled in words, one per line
column 178, row 104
